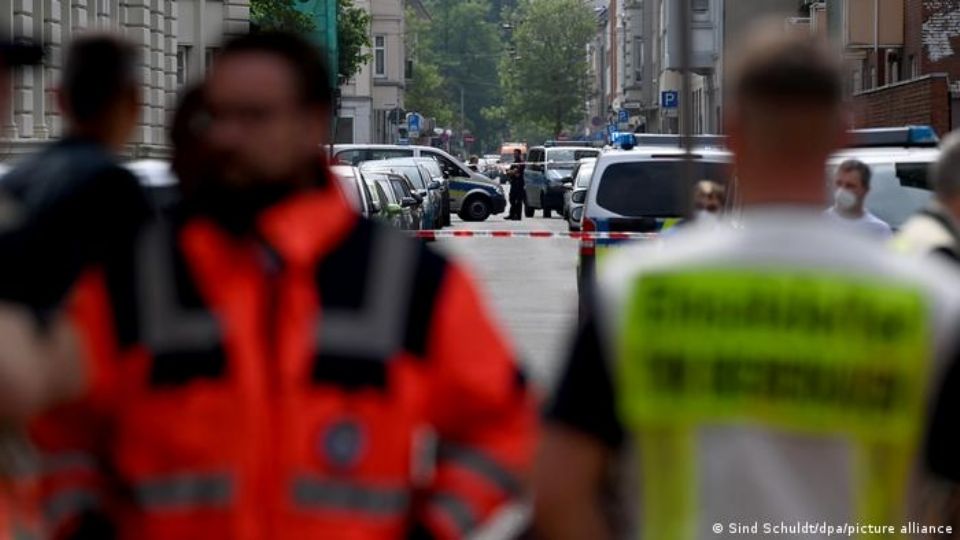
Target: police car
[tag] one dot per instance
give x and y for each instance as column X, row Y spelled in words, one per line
column 899, row 160
column 641, row 190
column 472, row 195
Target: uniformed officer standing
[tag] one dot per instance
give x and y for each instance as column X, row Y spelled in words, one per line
column 517, row 186
column 781, row 374
column 936, row 229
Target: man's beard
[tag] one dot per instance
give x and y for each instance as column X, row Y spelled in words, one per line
column 234, row 207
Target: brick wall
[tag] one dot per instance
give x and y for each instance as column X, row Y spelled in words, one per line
column 923, row 101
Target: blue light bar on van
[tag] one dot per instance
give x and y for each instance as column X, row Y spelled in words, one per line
column 624, row 140
column 906, row 136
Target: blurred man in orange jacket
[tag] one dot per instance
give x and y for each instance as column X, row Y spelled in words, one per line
column 268, row 364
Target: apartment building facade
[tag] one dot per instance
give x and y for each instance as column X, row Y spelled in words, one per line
column 372, row 101
column 178, row 40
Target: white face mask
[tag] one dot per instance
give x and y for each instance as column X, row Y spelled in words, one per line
column 706, row 216
column 845, row 199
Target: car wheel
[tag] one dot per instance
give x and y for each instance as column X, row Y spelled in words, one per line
column 475, row 209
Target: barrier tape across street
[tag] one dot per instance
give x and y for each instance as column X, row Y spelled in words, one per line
column 434, row 235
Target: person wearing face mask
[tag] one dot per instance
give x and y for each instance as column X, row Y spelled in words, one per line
column 852, row 182
column 709, row 201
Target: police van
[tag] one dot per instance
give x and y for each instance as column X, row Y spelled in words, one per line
column 641, row 190
column 547, row 175
column 472, row 195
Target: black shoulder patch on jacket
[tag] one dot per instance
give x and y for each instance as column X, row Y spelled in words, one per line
column 431, row 270
column 367, row 327
column 342, row 275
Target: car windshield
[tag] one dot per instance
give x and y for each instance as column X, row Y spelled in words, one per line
column 584, row 174
column 351, row 190
column 506, row 158
column 652, row 188
column 411, row 172
column 432, row 167
column 565, row 159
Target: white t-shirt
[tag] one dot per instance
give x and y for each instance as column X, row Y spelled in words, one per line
column 868, row 223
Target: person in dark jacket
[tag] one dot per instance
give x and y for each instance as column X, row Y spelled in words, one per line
column 74, row 204
column 517, row 186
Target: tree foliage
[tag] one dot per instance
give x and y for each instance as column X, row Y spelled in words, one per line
column 280, row 15
column 547, row 82
column 353, row 29
column 458, row 49
column 353, row 38
column 427, row 94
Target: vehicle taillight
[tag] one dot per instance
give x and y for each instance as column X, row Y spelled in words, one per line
column 588, row 245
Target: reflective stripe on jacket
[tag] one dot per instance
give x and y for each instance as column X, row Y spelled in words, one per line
column 280, row 388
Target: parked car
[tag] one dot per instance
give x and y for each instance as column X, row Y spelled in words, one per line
column 384, row 187
column 402, row 207
column 355, row 188
column 424, row 186
column 576, row 192
column 543, row 176
column 473, row 196
column 433, row 167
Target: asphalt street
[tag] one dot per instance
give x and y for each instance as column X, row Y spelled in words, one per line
column 530, row 284
column 531, row 288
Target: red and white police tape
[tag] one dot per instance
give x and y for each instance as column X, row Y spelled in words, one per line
column 434, row 235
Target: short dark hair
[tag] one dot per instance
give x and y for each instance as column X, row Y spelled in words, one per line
column 311, row 71
column 784, row 68
column 99, row 71
column 860, row 167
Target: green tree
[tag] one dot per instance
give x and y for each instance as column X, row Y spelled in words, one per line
column 353, row 36
column 462, row 46
column 546, row 84
column 427, row 94
column 279, row 15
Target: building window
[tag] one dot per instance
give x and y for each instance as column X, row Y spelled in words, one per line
column 699, row 6
column 210, row 56
column 857, row 80
column 638, row 60
column 409, row 69
column 380, row 56
column 893, row 71
column 183, row 66
column 914, row 67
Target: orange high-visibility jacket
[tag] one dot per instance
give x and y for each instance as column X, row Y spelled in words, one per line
column 331, row 379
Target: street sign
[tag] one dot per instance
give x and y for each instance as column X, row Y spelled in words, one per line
column 669, row 99
column 623, row 116
column 468, row 139
column 403, row 141
column 414, row 121
column 611, row 129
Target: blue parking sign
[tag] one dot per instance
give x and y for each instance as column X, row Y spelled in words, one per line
column 413, row 122
column 623, row 116
column 669, row 99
